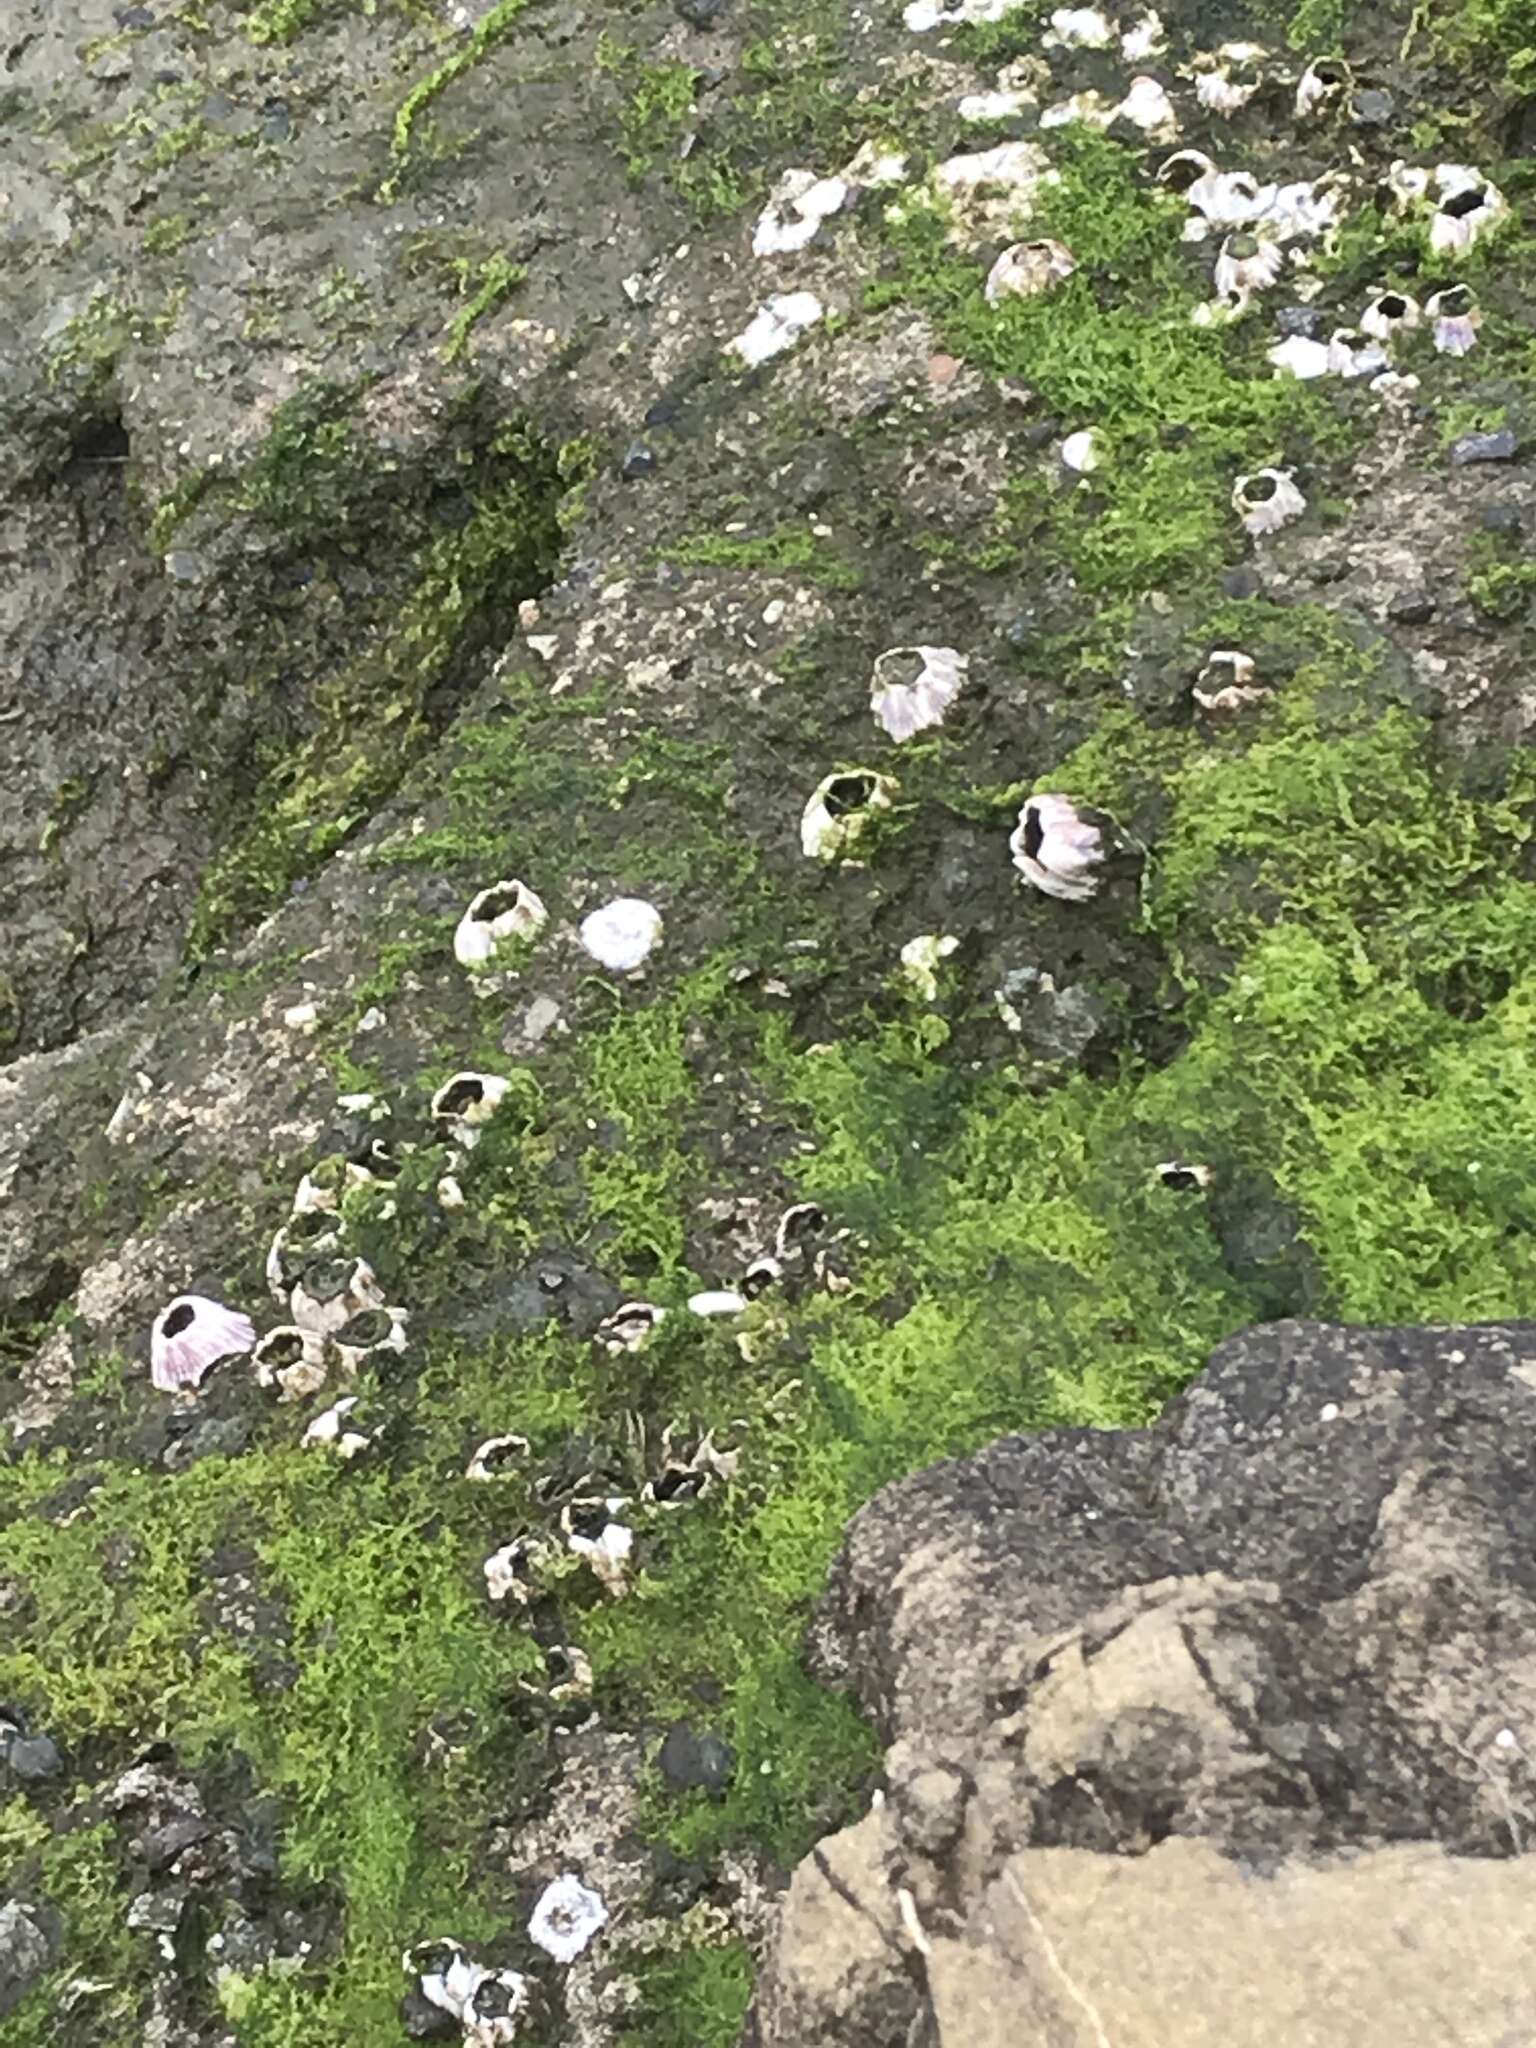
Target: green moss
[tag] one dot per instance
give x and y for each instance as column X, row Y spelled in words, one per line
column 492, row 28
column 794, row 548
column 699, row 1997
column 497, row 279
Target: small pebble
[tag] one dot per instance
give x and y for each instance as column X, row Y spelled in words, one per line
column 639, row 460
column 1502, row 519
column 33, row 1759
column 1411, row 608
column 1243, row 581
column 1373, row 108
column 1501, row 445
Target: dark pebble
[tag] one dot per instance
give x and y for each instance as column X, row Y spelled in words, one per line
column 133, row 17
column 1502, row 445
column 1306, row 321
column 1373, row 107
column 1243, row 581
column 1502, row 519
column 1411, row 608
column 424, row 2021
column 703, row 1762
column 639, row 460
column 702, row 13
column 34, row 1759
column 1023, row 629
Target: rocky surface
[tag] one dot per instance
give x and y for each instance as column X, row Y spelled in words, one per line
column 397, row 499
column 1217, row 1730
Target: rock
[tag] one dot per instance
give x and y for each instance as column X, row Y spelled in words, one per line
column 1305, row 321
column 1373, row 108
column 1506, row 520
column 26, row 1950
column 1243, row 581
column 702, row 14
column 33, row 1759
column 694, row 1761
column 638, row 460
column 424, row 2021
column 1411, row 607
column 1289, row 1632
column 1501, row 445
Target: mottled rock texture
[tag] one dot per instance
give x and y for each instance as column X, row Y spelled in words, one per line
column 1217, row 1731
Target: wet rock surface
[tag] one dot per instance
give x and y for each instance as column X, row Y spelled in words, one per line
column 1135, row 1688
column 449, row 449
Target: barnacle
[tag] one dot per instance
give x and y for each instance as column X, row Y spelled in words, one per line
column 334, row 1430
column 368, row 1334
column 621, row 934
column 189, row 1337
column 496, row 1458
column 1267, row 500
column 1026, row 268
column 1467, row 206
column 629, row 1325
column 567, row 1917
column 1057, row 849
column 1247, row 264
column 839, row 812
column 1225, row 683
column 291, row 1359
column 1325, row 80
column 1227, row 79
column 1388, row 314
column 1455, row 318
column 466, row 1102
column 798, row 205
column 913, row 688
column 1183, row 1178
column 506, row 914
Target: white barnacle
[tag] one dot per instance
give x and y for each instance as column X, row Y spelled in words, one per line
column 776, row 326
column 621, row 934
column 1305, row 211
column 492, row 2011
column 331, row 1291
column 796, row 209
column 872, row 166
column 1454, row 317
column 321, row 1186
column 920, row 959
column 922, row 15
column 838, row 813
column 1090, row 107
column 506, row 915
column 1080, row 452
column 602, row 1543
column 1027, row 268
column 1057, row 848
column 1182, row 171
column 1226, row 681
column 1009, row 174
column 566, row 1918
column 1353, row 354
column 496, row 1458
column 1299, row 356
column 1467, row 206
column 364, row 1337
column 1247, row 263
column 189, row 1337
column 999, row 105
column 1079, row 28
column 1321, row 85
column 444, row 1974
column 466, row 1102
column 1390, row 313
column 308, row 1236
column 1147, row 106
column 799, row 1226
column 1182, row 1177
column 292, row 1360
column 913, row 687
column 631, row 1323
column 333, row 1431
column 1227, row 79
column 1267, row 500
column 1144, row 38
column 763, row 1272
column 512, row 1573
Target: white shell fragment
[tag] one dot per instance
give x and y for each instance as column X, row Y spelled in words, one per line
column 189, row 1337
column 1267, row 500
column 1144, row 38
column 923, row 15
column 504, row 914
column 621, row 934
column 496, row 1458
column 1057, row 849
column 999, row 105
column 1010, row 173
column 717, row 1301
column 1174, row 1173
column 776, row 326
column 1454, row 317
column 1297, row 356
column 566, row 1918
column 1388, row 314
column 607, row 1553
column 1079, row 28
column 1147, row 106
column 920, row 959
column 839, row 811
column 800, row 202
column 1352, row 354
column 444, row 1974
column 629, row 1325
column 331, row 1431
column 1226, row 682
column 1246, row 264
column 1227, row 79
column 1467, row 206
column 913, row 688
column 510, row 1573
column 872, row 166
column 1079, row 452
column 1027, row 268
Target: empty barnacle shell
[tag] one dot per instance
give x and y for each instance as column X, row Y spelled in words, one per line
column 1026, row 268
column 1353, row 354
column 839, row 812
column 600, row 1542
column 765, row 1271
column 1389, row 313
column 466, row 1102
column 631, row 1323
column 798, row 205
column 1468, row 205
column 1247, row 263
column 450, row 1192
column 307, row 1237
column 1322, row 84
column 621, row 934
column 512, row 1573
column 717, row 1301
column 1267, row 500
column 494, row 2008
column 332, row 1291
column 367, row 1334
column 1182, row 171
column 1455, row 318
column 497, row 1458
column 333, row 1430
column 569, row 1672
column 1144, row 38
column 567, row 1918
column 913, row 687
column 1079, row 452
column 321, row 1187
column 292, row 1360
column 682, row 1480
column 799, row 1224
column 1183, row 1178
column 189, row 1337
column 776, row 326
column 1226, row 683
column 1057, row 848
column 1079, row 28
column 1147, row 106
column 1227, row 79
column 444, row 1974
column 501, row 917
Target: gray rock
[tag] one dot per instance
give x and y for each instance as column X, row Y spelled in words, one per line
column 26, row 1949
column 696, row 1761
column 33, row 1759
column 1374, row 107
column 1292, row 1624
column 1411, row 607
column 1501, row 445
column 1306, row 321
